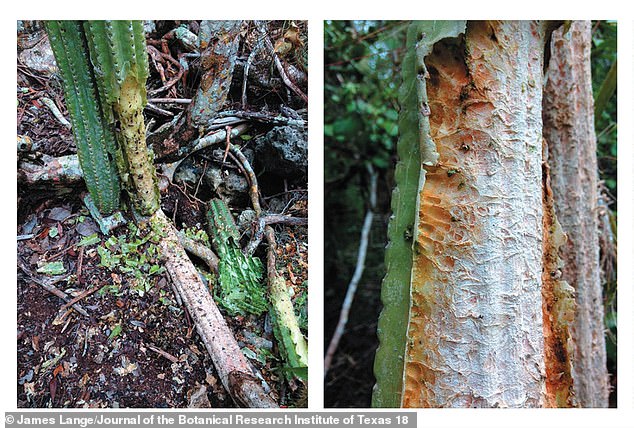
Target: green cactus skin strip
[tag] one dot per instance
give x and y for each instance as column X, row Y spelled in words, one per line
column 93, row 136
column 294, row 348
column 415, row 148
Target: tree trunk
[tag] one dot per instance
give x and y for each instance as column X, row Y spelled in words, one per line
column 569, row 133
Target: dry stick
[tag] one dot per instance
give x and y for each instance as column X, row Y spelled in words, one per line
column 170, row 100
column 284, row 219
column 199, row 250
column 80, row 296
column 51, row 288
column 254, row 193
column 162, row 353
column 255, row 50
column 172, row 82
column 228, row 142
column 58, row 114
column 157, row 110
column 358, row 271
column 277, row 120
column 278, row 63
column 269, row 219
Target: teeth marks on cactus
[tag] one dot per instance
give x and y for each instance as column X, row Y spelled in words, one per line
column 92, row 134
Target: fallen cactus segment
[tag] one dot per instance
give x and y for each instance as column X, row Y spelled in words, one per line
column 240, row 288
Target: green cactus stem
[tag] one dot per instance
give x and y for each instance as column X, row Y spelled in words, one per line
column 93, row 134
column 119, row 58
column 104, row 68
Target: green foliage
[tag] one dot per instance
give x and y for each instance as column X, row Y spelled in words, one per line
column 134, row 254
column 52, row 268
column 240, row 288
column 603, row 57
column 361, row 82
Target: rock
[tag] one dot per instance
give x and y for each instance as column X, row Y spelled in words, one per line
column 197, row 398
column 39, row 57
column 284, row 151
column 245, row 220
column 229, row 185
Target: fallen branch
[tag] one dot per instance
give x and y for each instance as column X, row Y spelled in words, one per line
column 154, row 53
column 356, row 277
column 61, row 170
column 58, row 114
column 234, row 370
column 269, row 219
column 157, row 110
column 254, row 51
column 169, row 100
column 65, row 170
column 80, row 297
column 263, row 118
column 164, row 354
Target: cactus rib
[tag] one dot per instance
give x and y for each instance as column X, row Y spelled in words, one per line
column 117, row 50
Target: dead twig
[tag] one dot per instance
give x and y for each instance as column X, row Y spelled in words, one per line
column 164, row 354
column 267, row 220
column 278, row 120
column 254, row 193
column 169, row 100
column 80, row 261
column 80, row 297
column 58, row 114
column 199, row 250
column 155, row 53
column 356, row 277
column 157, row 110
column 228, row 142
column 50, row 287
column 254, row 51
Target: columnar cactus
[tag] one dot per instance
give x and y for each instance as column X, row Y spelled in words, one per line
column 94, row 136
column 104, row 68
